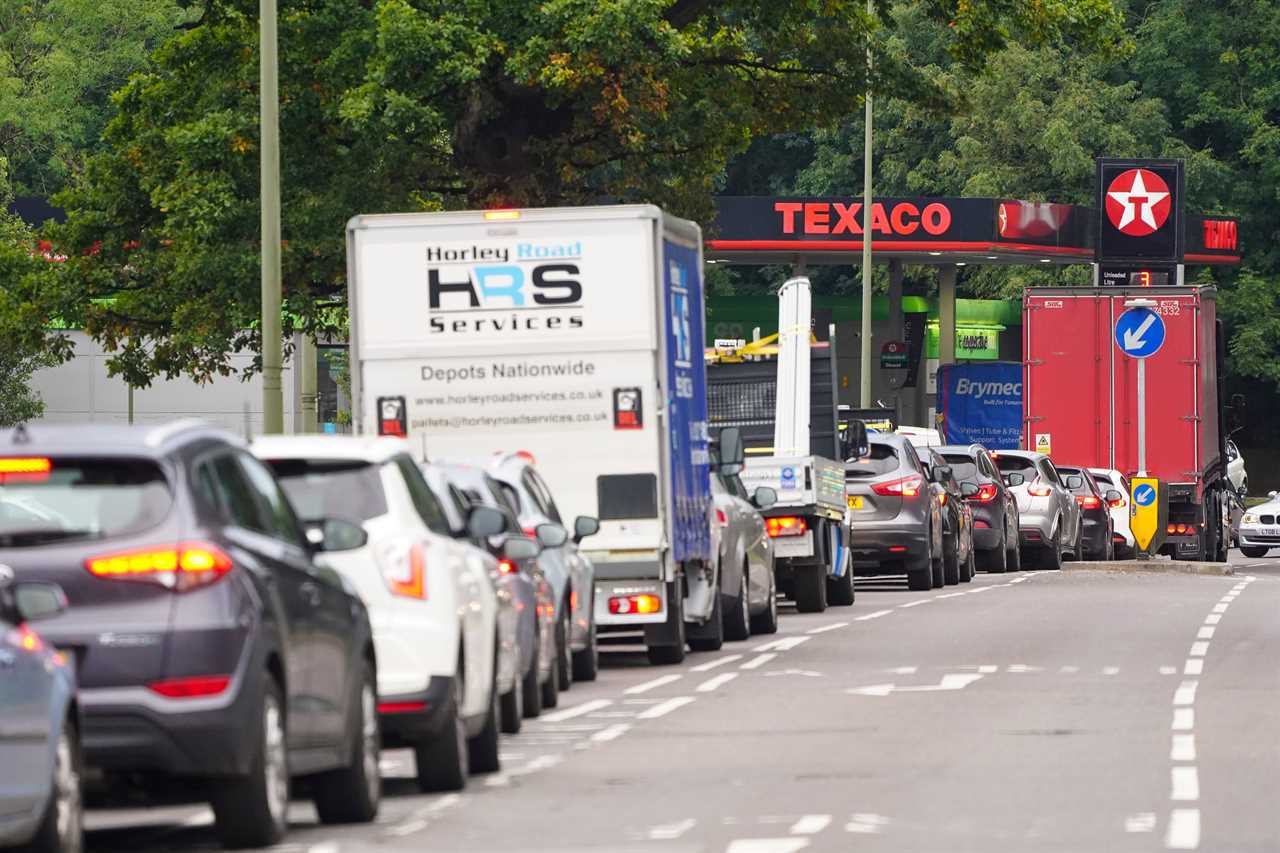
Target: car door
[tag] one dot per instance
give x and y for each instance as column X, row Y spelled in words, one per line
column 26, row 694
column 756, row 537
column 1071, row 518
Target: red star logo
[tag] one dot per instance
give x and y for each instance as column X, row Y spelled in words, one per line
column 1138, row 202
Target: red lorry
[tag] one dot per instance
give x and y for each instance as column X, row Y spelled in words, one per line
column 1080, row 399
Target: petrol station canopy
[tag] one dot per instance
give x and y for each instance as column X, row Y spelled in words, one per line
column 932, row 230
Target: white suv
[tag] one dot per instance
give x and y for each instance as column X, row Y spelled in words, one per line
column 431, row 602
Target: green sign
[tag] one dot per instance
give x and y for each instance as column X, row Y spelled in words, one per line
column 973, row 343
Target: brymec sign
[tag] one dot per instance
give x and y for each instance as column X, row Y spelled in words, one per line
column 1140, row 205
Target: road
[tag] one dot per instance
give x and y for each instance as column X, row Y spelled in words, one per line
column 1073, row 711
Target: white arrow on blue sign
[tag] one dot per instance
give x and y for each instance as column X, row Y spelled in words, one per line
column 1139, row 332
column 1144, row 495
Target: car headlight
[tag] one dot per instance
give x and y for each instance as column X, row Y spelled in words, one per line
column 1249, row 518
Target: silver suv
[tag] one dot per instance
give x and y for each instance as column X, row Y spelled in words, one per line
column 1049, row 520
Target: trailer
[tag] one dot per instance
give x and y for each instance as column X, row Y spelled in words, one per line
column 1080, row 399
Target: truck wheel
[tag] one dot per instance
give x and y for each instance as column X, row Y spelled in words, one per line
column 840, row 591
column 586, row 663
column 252, row 811
column 951, row 563
column 1252, row 552
column 811, row 588
column 671, row 652
column 737, row 609
column 767, row 622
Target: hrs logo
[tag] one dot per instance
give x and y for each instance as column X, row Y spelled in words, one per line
column 507, row 296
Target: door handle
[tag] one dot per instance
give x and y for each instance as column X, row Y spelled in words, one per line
column 311, row 592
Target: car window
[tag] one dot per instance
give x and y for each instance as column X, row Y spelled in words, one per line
column 512, row 494
column 882, row 459
column 736, row 486
column 1016, row 464
column 1050, row 472
column 913, row 460
column 231, row 496
column 276, row 511
column 542, row 495
column 988, row 466
column 963, row 467
column 1102, row 479
column 350, row 490
column 424, row 500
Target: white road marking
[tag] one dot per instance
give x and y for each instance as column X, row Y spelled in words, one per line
column 903, row 670
column 1022, row 667
column 712, row 683
column 767, row 845
column 866, row 824
column 781, row 645
column 503, row 780
column 411, row 827
column 950, row 681
column 1140, row 822
column 1184, row 830
column 987, row 669
column 758, row 661
column 1184, row 719
column 1185, row 784
column 1199, row 649
column 914, row 603
column 978, row 589
column 576, row 710
column 948, row 595
column 875, row 615
column 665, row 708
column 871, row 690
column 1213, row 619
column 1186, row 693
column 1069, row 670
column 873, row 819
column 651, row 685
column 825, row 628
column 1183, row 748
column 672, row 831
column 712, row 664
column 324, row 847
column 1193, row 666
column 1206, row 633
column 1111, row 670
column 615, row 731
column 448, row 801
column 1168, row 670
column 811, row 824
column 1220, row 607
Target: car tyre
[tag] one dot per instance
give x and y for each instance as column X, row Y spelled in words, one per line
column 811, row 588
column 841, row 590
column 1053, row 553
column 550, row 689
column 61, row 829
column 1253, row 552
column 970, row 566
column 951, row 562
column 531, row 690
column 513, row 708
column 996, row 561
column 767, row 621
column 443, row 760
column 708, row 637
column 482, row 750
column 252, row 810
column 672, row 653
column 737, row 610
column 586, row 663
column 352, row 794
column 564, row 655
column 920, row 579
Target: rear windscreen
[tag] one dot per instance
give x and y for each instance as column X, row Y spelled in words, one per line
column 882, row 459
column 1008, row 464
column 61, row 499
column 964, row 468
column 350, row 490
column 624, row 496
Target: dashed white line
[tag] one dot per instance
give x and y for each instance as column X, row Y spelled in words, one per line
column 767, row 845
column 712, row 683
column 407, row 828
column 988, row 669
column 611, row 733
column 576, row 710
column 1206, row 633
column 1184, row 830
column 948, row 595
column 712, row 664
column 811, row 824
column 1186, row 693
column 1168, row 670
column 825, row 628
column 1199, row 649
column 664, row 708
column 1185, row 784
column 875, row 615
column 916, row 603
column 758, row 661
column 1111, row 670
column 1220, row 607
column 1193, row 666
column 652, row 685
column 781, row 645
column 1141, row 822
column 1184, row 719
column 672, row 831
column 1213, row 619
column 1183, row 748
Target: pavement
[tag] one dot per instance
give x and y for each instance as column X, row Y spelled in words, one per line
column 1038, row 711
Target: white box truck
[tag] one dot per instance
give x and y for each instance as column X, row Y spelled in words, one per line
column 574, row 335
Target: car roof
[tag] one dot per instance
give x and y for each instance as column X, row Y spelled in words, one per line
column 109, row 439
column 967, row 449
column 1021, row 454
column 894, row 439
column 375, row 449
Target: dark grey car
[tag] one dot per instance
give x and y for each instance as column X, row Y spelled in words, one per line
column 209, row 645
column 896, row 517
column 995, row 507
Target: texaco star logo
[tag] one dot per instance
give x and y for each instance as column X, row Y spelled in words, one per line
column 1138, row 202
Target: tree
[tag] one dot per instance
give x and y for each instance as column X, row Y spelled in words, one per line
column 423, row 104
column 60, row 60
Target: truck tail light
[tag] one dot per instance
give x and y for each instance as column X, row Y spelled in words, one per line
column 904, row 487
column 638, row 605
column 1182, row 529
column 986, row 493
column 785, row 525
column 1089, row 501
column 180, row 567
column 1039, row 490
column 404, row 568
column 193, row 687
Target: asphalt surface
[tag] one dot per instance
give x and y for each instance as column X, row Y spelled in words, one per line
column 1036, row 711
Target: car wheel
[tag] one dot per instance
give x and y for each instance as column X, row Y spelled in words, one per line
column 550, row 689
column 996, row 561
column 443, row 761
column 531, row 690
column 811, row 588
column 737, row 610
column 482, row 750
column 840, row 591
column 951, row 562
column 1013, row 557
column 512, row 707
column 767, row 621
column 708, row 637
column 564, row 656
column 61, row 829
column 920, row 578
column 1053, row 553
column 970, row 566
column 351, row 794
column 252, row 811
column 586, row 663
column 1252, row 552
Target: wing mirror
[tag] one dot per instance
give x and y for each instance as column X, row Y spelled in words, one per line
column 1014, row 479
column 39, row 600
column 485, row 521
column 763, row 497
column 584, row 526
column 968, row 490
column 1112, row 496
column 551, row 535
column 732, row 452
column 336, row 534
column 1074, row 481
column 855, row 443
column 517, row 548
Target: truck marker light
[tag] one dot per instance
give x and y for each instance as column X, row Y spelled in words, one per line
column 180, row 567
column 906, row 487
column 785, row 525
column 1088, row 501
column 638, row 605
column 192, row 687
column 986, row 493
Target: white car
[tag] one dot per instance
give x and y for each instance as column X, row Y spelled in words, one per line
column 1260, row 528
column 431, row 602
column 1235, row 469
column 1120, row 510
column 921, row 436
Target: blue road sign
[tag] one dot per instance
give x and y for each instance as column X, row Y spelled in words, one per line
column 1144, row 495
column 1139, row 332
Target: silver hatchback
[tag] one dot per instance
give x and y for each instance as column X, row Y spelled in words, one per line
column 1049, row 519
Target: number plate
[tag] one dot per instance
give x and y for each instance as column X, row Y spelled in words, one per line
column 855, row 501
column 1269, row 531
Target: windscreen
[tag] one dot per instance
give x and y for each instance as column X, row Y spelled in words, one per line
column 350, row 490
column 1016, row 464
column 882, row 459
column 964, row 468
column 60, row 499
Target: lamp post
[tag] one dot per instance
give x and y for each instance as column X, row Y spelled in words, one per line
column 269, row 124
column 865, row 359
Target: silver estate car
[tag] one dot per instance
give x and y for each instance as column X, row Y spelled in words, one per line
column 1049, row 518
column 748, row 585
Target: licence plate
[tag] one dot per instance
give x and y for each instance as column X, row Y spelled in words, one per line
column 855, row 501
column 1269, row 531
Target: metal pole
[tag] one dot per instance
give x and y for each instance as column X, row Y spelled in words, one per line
column 1142, row 417
column 130, row 404
column 307, row 364
column 269, row 120
column 865, row 354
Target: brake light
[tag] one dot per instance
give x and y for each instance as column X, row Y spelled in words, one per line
column 507, row 567
column 979, row 524
column 401, row 707
column 635, row 604
column 906, row 487
column 1039, row 490
column 1089, row 501
column 404, row 569
column 16, row 469
column 722, row 518
column 785, row 525
column 1117, row 503
column 190, row 688
column 180, row 567
column 986, row 493
column 531, row 532
column 526, row 456
column 26, row 639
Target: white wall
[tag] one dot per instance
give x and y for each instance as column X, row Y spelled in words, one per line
column 80, row 390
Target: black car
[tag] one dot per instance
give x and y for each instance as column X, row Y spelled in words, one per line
column 210, row 647
column 1095, row 514
column 995, row 507
column 957, row 540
